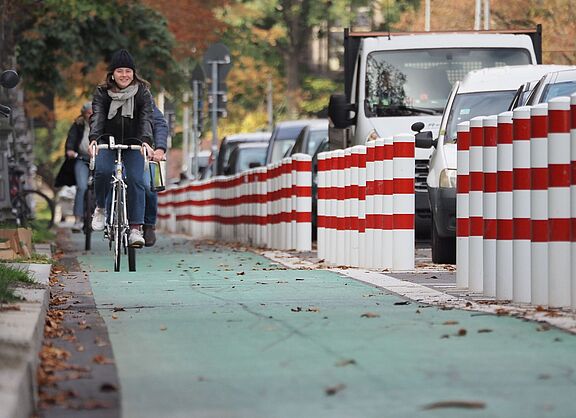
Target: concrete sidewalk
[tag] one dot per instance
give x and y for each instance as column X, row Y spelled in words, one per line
column 21, row 333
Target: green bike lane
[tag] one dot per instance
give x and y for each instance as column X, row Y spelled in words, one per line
column 206, row 331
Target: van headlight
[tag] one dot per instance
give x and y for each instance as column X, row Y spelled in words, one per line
column 448, row 178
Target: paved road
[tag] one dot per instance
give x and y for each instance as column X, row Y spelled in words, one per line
column 213, row 332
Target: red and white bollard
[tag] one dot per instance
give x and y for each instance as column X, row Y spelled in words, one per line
column 403, row 202
column 463, row 187
column 504, row 212
column 573, row 197
column 539, row 204
column 490, row 163
column 322, row 176
column 302, row 213
column 559, row 181
column 347, row 256
column 476, row 177
column 341, row 208
column 521, row 200
column 362, row 259
column 370, row 242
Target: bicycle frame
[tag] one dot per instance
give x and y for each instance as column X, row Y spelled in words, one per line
column 117, row 226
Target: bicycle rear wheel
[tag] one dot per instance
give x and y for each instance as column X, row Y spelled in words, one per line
column 131, row 259
column 39, row 211
column 89, row 206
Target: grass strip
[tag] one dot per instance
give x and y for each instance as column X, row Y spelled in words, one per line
column 9, row 277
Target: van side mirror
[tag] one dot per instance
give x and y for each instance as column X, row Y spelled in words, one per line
column 423, row 139
column 339, row 111
column 254, row 164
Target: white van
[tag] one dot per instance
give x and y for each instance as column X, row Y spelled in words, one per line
column 482, row 92
column 393, row 80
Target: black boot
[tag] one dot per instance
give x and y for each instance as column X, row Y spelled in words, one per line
column 149, row 235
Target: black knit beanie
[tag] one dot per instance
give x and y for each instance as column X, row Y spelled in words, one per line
column 121, row 59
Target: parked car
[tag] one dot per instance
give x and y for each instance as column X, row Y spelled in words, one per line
column 481, row 93
column 229, row 142
column 283, row 138
column 554, row 84
column 310, row 137
column 245, row 156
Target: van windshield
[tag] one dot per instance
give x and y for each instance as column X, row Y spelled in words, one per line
column 469, row 105
column 403, row 83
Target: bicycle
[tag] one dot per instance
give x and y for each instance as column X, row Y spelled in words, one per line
column 31, row 208
column 89, row 206
column 117, row 227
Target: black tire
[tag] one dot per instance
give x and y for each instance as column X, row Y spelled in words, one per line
column 89, row 206
column 131, row 259
column 443, row 249
column 118, row 221
column 39, row 211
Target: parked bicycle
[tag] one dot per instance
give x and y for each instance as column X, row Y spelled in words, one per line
column 117, row 227
column 31, row 208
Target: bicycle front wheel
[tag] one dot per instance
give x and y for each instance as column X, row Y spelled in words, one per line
column 39, row 211
column 118, row 228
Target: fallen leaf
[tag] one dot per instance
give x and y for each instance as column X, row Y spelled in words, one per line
column 119, row 309
column 100, row 359
column 108, row 387
column 114, row 316
column 333, row 390
column 461, row 332
column 240, row 273
column 345, row 362
column 370, row 315
column 163, row 327
column 296, row 309
column 484, row 330
column 405, row 302
column 456, row 404
column 313, row 309
column 450, row 322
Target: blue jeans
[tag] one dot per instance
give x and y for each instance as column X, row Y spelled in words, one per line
column 151, row 198
column 133, row 173
column 81, row 172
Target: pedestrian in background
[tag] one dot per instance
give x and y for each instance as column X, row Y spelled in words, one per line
column 122, row 108
column 77, row 143
column 160, row 146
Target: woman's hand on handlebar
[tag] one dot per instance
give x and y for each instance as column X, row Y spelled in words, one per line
column 159, row 155
column 71, row 154
column 148, row 149
column 93, row 149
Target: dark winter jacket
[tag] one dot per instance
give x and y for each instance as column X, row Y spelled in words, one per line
column 160, row 129
column 123, row 129
column 75, row 134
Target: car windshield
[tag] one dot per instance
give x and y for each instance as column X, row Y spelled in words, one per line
column 566, row 88
column 469, row 105
column 315, row 139
column 413, row 82
column 248, row 156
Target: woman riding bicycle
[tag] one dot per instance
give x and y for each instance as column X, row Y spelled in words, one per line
column 77, row 147
column 122, row 108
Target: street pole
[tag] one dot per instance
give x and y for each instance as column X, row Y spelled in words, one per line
column 427, row 17
column 269, row 105
column 214, row 108
column 487, row 14
column 185, row 134
column 194, row 168
column 478, row 15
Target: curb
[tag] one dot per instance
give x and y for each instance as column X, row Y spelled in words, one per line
column 21, row 335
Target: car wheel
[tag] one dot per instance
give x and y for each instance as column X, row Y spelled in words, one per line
column 443, row 249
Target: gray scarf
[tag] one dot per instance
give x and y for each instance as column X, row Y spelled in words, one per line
column 123, row 99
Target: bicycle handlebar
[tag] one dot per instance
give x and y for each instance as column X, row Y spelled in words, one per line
column 115, row 146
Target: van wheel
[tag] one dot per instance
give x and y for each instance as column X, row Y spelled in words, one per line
column 443, row 249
